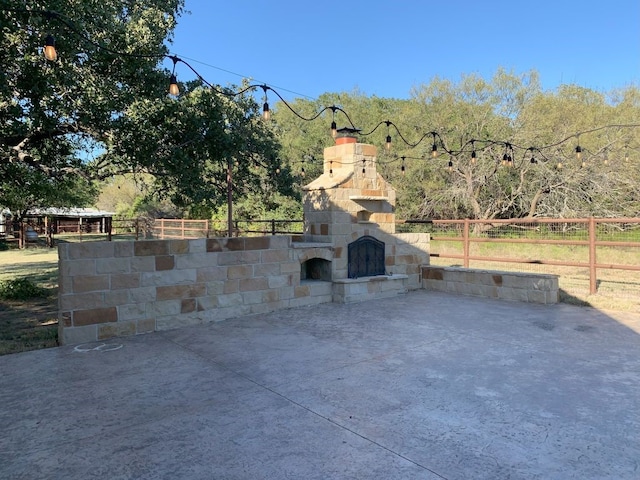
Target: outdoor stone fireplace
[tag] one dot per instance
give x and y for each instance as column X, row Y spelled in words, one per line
column 349, row 210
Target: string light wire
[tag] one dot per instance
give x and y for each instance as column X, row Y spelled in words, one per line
column 53, row 15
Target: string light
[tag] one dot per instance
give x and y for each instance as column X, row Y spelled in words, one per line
column 51, row 54
column 450, row 166
column 387, row 144
column 402, row 169
column 50, row 49
column 173, row 83
column 334, row 126
column 266, row 113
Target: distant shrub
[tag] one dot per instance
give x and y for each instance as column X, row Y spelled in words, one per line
column 20, row 289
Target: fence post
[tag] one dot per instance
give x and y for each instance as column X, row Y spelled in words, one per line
column 465, row 242
column 593, row 281
column 273, row 227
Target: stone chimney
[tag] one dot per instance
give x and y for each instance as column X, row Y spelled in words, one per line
column 350, row 198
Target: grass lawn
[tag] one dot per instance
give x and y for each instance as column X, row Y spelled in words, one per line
column 29, row 324
column 32, row 324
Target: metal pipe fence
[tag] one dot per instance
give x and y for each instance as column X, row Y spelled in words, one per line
column 594, row 245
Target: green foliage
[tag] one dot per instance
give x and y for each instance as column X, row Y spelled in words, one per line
column 55, row 113
column 20, row 289
column 507, row 108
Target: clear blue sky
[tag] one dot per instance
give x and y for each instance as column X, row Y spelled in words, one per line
column 384, row 48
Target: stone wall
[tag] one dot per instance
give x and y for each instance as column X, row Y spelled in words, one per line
column 109, row 289
column 518, row 286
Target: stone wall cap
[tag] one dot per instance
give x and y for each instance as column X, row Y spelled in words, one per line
column 369, row 198
column 376, row 278
column 311, row 245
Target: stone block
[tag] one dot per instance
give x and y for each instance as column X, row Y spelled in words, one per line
column 143, row 264
column 275, row 256
column 90, row 283
column 77, row 335
column 231, row 286
column 270, row 296
column 266, row 269
column 163, row 308
column 210, row 302
column 119, row 329
column 301, row 291
column 197, row 260
column 230, row 300
column 113, row 265
column 71, row 268
column 168, row 278
column 142, row 295
column 81, row 301
column 123, row 249
column 285, row 293
column 257, row 243
column 253, row 284
column 179, row 247
column 171, row 292
column 124, row 280
column 231, row 312
column 146, row 325
column 239, row 257
column 113, row 298
column 236, row 272
column 279, row 242
column 188, row 305
column 90, row 250
column 132, row 311
column 93, row 316
column 165, row 262
column 211, row 274
column 290, row 267
column 252, row 297
column 278, row 281
column 144, row 248
column 214, row 244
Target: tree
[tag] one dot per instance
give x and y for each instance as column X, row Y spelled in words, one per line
column 53, row 111
column 102, row 110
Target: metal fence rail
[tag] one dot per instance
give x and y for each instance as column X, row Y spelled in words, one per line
column 595, row 244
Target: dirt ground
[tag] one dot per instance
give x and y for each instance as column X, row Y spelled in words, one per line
column 28, row 324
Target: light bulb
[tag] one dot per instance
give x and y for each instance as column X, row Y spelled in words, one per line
column 173, row 86
column 50, row 49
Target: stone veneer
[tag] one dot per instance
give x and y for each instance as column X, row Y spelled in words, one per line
column 124, row 288
column 109, row 289
column 517, row 286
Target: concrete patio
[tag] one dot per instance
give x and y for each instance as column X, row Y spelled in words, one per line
column 422, row 386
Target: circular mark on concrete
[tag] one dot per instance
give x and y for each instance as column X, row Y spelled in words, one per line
column 97, row 347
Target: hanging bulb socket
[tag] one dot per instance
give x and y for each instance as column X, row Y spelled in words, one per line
column 387, row 144
column 50, row 49
column 334, row 129
column 474, row 157
column 173, row 86
column 450, row 165
column 434, row 147
column 578, row 152
column 266, row 113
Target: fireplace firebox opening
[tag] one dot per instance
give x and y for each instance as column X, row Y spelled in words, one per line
column 366, row 257
column 316, row 269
